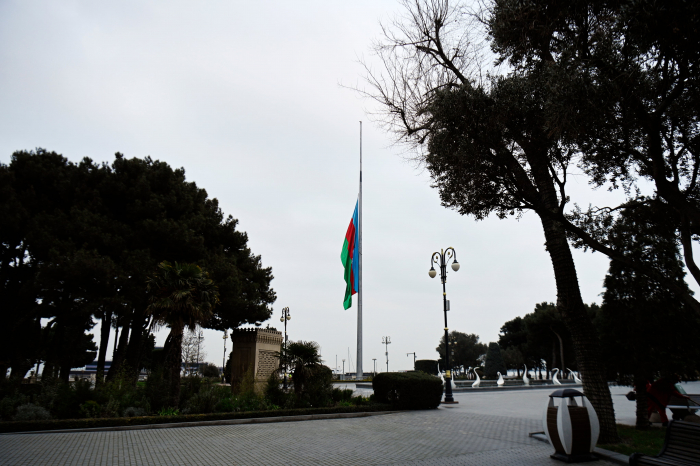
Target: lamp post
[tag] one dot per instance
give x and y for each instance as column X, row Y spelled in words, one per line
column 343, row 374
column 441, row 259
column 285, row 317
column 223, row 370
column 375, row 365
column 414, row 359
column 386, row 341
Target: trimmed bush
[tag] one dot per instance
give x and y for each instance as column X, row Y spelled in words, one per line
column 429, row 366
column 410, row 390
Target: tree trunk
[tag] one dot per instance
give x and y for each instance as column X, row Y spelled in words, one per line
column 554, row 359
column 640, row 386
column 105, row 329
column 173, row 364
column 64, row 375
column 561, row 351
column 133, row 351
column 120, row 354
column 583, row 335
column 20, row 369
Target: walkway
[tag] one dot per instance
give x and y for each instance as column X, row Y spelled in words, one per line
column 490, row 429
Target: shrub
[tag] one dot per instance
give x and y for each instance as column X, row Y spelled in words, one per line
column 274, row 393
column 340, row 394
column 318, row 390
column 412, row 390
column 209, row 370
column 206, row 400
column 132, row 411
column 9, row 404
column 169, row 412
column 157, row 390
column 90, row 409
column 429, row 366
column 32, row 412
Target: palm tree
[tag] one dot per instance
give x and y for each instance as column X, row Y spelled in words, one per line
column 182, row 295
column 303, row 358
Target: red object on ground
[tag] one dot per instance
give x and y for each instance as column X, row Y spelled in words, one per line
column 658, row 395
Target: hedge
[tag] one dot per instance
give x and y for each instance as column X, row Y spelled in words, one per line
column 409, row 390
column 60, row 424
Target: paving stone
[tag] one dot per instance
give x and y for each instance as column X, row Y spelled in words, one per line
column 446, row 436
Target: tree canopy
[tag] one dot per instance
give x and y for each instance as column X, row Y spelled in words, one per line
column 465, row 350
column 79, row 240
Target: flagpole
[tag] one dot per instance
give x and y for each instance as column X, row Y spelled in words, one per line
column 360, row 292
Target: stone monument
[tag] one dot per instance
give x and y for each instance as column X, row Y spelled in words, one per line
column 256, row 350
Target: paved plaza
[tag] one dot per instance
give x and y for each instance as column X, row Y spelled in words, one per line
column 484, row 428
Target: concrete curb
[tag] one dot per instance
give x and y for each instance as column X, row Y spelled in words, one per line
column 497, row 389
column 608, row 455
column 220, row 422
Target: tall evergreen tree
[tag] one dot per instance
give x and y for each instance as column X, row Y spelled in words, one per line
column 494, row 361
column 646, row 329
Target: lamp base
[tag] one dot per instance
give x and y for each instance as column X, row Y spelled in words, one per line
column 449, row 402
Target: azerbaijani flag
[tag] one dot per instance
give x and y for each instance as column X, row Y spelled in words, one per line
column 350, row 256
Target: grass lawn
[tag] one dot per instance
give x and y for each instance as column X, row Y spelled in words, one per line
column 648, row 442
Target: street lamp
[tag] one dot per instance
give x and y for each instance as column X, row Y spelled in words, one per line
column 386, row 341
column 414, row 359
column 375, row 365
column 343, row 374
column 285, row 317
column 441, row 259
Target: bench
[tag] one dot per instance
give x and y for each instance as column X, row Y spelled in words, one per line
column 681, row 447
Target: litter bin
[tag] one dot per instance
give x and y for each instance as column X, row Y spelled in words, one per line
column 572, row 427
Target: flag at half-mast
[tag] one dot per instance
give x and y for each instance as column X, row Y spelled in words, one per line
column 350, row 256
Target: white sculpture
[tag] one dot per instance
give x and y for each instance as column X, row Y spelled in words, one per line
column 440, row 374
column 478, row 380
column 526, row 380
column 576, row 379
column 468, row 371
column 500, row 382
column 555, row 381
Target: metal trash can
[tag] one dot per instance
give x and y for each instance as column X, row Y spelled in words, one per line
column 572, row 428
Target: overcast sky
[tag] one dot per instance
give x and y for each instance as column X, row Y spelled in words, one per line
column 246, row 96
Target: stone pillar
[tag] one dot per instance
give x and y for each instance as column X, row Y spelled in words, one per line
column 256, row 350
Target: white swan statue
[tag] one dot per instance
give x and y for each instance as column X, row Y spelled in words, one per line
column 576, row 379
column 440, row 374
column 555, row 381
column 526, row 380
column 500, row 382
column 478, row 379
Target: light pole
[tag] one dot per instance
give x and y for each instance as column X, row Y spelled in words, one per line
column 343, row 374
column 414, row 359
column 285, row 317
column 375, row 365
column 441, row 258
column 223, row 370
column 386, row 341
